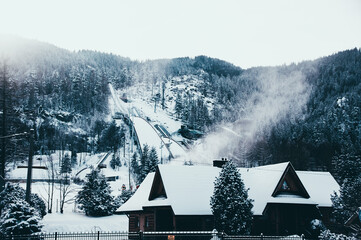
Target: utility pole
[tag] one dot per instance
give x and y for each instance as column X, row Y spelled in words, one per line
column 30, row 167
column 2, row 175
column 3, row 126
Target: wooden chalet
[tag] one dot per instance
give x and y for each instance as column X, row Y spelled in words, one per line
column 177, row 198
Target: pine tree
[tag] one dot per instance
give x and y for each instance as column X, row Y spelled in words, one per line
column 153, row 160
column 144, row 163
column 13, row 192
column 115, row 162
column 19, row 218
column 178, row 105
column 66, row 164
column 348, row 201
column 134, row 165
column 95, row 197
column 231, row 207
column 121, row 199
column 74, row 157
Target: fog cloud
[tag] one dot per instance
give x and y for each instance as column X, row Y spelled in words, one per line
column 282, row 94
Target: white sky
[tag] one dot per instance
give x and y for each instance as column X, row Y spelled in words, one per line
column 246, row 33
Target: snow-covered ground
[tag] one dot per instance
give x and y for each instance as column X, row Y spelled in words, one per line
column 73, row 220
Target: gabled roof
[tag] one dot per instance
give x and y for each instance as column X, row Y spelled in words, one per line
column 188, row 188
column 290, row 183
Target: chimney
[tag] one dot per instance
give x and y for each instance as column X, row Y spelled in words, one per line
column 220, row 163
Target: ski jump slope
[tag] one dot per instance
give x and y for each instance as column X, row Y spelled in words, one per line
column 166, row 148
column 147, row 135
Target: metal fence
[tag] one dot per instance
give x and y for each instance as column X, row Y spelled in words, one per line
column 262, row 237
column 204, row 235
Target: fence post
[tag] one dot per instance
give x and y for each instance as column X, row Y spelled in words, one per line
column 214, row 234
column 98, row 235
column 140, row 235
column 302, row 236
column 56, row 235
column 261, row 236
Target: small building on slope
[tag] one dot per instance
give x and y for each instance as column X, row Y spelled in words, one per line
column 177, row 198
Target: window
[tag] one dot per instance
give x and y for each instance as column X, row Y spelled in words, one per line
column 285, row 186
column 146, row 222
column 136, row 220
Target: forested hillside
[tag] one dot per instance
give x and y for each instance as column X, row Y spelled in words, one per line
column 64, row 96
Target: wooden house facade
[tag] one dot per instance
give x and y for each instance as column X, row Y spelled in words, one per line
column 177, row 198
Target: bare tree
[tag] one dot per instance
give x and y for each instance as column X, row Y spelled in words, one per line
column 65, row 189
column 51, row 183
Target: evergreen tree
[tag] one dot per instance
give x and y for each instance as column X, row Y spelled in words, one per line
column 115, row 162
column 111, row 138
column 13, row 192
column 346, row 166
column 95, row 198
column 178, row 105
column 153, row 160
column 65, row 164
column 348, row 173
column 121, row 199
column 347, row 202
column 144, row 163
column 19, row 218
column 134, row 165
column 74, row 157
column 231, row 207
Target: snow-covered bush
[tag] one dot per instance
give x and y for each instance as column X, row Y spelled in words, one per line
column 121, row 199
column 13, row 192
column 315, row 228
column 95, row 198
column 231, row 207
column 328, row 235
column 18, row 217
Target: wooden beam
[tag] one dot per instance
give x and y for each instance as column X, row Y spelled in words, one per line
column 38, row 167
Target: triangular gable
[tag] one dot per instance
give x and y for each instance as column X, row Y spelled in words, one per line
column 157, row 189
column 290, row 183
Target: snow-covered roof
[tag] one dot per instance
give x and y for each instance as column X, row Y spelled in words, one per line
column 140, row 197
column 189, row 188
column 320, row 186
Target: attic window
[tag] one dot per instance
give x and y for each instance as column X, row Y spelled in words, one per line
column 285, row 186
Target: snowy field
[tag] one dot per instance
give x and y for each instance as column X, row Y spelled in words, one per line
column 73, row 220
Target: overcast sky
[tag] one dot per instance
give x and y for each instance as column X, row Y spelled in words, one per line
column 246, row 33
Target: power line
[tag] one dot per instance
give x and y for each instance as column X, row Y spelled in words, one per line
column 14, row 135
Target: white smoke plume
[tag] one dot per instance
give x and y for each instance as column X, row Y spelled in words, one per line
column 281, row 95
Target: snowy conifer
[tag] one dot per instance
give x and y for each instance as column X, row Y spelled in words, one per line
column 95, row 198
column 231, row 207
column 66, row 164
column 115, row 162
column 19, row 217
column 348, row 201
column 153, row 160
column 134, row 164
column 13, row 192
column 144, row 163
